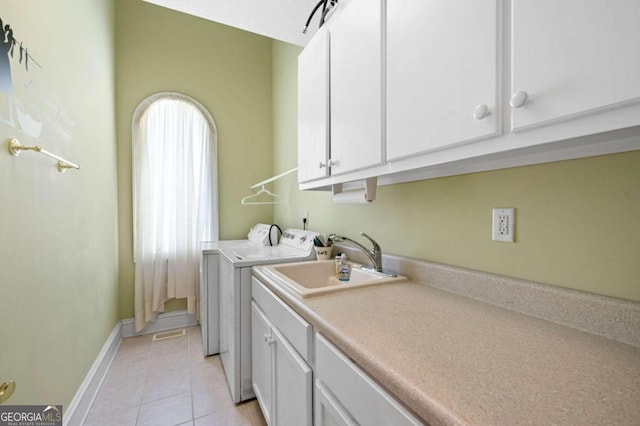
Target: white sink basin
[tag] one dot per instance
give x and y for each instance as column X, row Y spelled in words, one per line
column 305, row 279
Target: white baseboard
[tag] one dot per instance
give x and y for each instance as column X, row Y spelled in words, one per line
column 80, row 405
column 166, row 321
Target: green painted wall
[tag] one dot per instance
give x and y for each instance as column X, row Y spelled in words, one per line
column 64, row 278
column 225, row 69
column 58, row 233
column 577, row 222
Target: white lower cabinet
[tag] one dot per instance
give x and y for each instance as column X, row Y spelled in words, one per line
column 287, row 358
column 346, row 395
column 293, row 380
column 329, row 412
column 261, row 361
column 282, row 378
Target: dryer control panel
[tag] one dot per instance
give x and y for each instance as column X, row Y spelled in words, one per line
column 259, row 233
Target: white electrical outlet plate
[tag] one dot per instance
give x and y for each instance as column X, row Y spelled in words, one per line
column 503, row 225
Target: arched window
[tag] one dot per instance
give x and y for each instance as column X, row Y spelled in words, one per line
column 175, row 204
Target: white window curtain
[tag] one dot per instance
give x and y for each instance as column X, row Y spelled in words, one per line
column 174, row 200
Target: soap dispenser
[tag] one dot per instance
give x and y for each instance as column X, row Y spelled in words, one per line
column 344, row 272
column 339, row 258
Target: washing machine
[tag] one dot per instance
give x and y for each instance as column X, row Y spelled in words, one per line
column 235, row 302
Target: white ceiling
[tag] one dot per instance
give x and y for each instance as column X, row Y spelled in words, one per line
column 278, row 19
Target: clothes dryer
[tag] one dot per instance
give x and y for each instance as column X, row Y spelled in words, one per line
column 259, row 235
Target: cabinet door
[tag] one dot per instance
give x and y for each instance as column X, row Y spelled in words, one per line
column 362, row 398
column 313, row 108
column 356, row 85
column 442, row 70
column 328, row 411
column 293, row 384
column 572, row 58
column 261, row 361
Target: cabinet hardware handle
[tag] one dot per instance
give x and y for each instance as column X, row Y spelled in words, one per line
column 329, row 163
column 519, row 99
column 481, row 112
column 270, row 340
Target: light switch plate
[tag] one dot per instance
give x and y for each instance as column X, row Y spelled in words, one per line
column 503, row 225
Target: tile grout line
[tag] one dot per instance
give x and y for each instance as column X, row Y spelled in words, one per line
column 148, row 362
column 144, row 383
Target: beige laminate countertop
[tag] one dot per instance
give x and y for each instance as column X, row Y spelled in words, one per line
column 455, row 360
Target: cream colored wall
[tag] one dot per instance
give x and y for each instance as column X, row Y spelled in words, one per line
column 577, row 222
column 229, row 72
column 58, row 232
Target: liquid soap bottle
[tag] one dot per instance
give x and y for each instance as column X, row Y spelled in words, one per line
column 344, row 271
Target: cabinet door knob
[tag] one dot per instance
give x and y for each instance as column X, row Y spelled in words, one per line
column 323, row 165
column 481, row 112
column 329, row 163
column 519, row 99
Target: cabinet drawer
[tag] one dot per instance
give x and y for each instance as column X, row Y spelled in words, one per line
column 298, row 331
column 355, row 391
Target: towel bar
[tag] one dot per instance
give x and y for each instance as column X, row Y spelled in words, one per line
column 15, row 147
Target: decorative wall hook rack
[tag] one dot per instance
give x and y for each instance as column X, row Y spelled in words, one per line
column 15, row 148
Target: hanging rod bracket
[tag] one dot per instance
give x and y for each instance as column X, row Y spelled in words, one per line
column 15, row 147
column 62, row 166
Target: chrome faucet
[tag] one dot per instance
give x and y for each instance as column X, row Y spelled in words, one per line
column 375, row 254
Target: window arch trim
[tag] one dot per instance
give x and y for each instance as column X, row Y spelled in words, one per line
column 146, row 103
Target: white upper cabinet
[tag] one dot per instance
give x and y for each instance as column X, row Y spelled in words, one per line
column 442, row 74
column 572, row 58
column 356, row 85
column 417, row 89
column 313, row 108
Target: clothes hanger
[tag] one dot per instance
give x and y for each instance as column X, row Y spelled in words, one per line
column 262, row 190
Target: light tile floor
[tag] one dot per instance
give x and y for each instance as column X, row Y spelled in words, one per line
column 168, row 382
